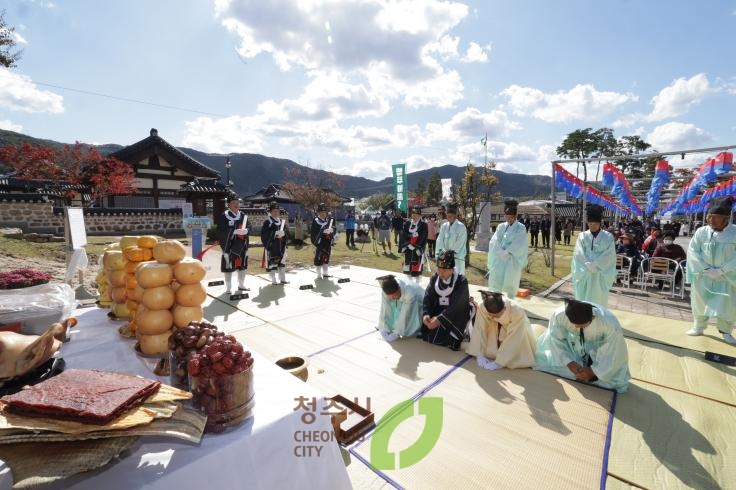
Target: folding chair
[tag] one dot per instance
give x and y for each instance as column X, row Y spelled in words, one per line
column 682, row 265
column 655, row 269
column 623, row 269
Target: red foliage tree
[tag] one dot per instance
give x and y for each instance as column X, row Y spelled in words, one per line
column 77, row 165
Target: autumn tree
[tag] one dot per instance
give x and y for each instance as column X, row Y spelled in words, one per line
column 476, row 188
column 62, row 169
column 309, row 187
column 8, row 57
column 421, row 187
column 376, row 201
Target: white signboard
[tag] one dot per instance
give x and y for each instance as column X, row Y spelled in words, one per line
column 75, row 226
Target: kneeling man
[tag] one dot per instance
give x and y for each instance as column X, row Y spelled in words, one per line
column 502, row 335
column 585, row 342
column 446, row 307
column 401, row 308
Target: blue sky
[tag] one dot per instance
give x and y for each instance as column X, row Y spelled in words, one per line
column 354, row 86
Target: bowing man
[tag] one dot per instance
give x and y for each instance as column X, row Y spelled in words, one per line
column 502, row 335
column 594, row 261
column 412, row 243
column 273, row 237
column 507, row 253
column 322, row 233
column 585, row 342
column 446, row 306
column 401, row 308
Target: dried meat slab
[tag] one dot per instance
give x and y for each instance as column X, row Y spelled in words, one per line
column 92, row 397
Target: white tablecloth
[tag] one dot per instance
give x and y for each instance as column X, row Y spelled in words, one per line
column 258, row 454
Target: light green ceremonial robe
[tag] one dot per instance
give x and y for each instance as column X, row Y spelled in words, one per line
column 715, row 298
column 453, row 237
column 604, row 343
column 504, row 275
column 403, row 316
column 593, row 287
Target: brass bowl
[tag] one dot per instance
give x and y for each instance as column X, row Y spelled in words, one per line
column 295, row 365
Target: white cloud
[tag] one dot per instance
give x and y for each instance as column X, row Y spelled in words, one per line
column 9, row 125
column 475, row 54
column 19, row 93
column 677, row 98
column 394, row 43
column 18, row 38
column 471, row 124
column 583, row 102
column 675, row 136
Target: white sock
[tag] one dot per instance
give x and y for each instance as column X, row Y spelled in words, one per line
column 388, row 336
column 492, row 366
column 228, row 282
column 241, row 279
column 324, row 269
column 282, row 274
column 695, row 331
column 272, row 274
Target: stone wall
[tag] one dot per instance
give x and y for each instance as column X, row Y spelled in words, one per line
column 42, row 217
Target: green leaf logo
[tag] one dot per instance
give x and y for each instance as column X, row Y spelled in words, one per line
column 381, row 458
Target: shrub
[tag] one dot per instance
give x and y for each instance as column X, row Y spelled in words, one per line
column 23, row 278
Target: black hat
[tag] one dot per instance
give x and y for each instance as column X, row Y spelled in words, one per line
column 594, row 213
column 451, row 208
column 578, row 312
column 510, row 206
column 273, row 205
column 383, row 211
column 721, row 206
column 446, row 260
column 493, row 301
column 321, row 207
column 389, row 284
column 668, row 233
column 232, row 197
column 433, row 215
column 416, row 210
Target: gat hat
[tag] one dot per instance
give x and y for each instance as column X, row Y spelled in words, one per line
column 389, row 284
column 595, row 213
column 721, row 206
column 668, row 233
column 451, row 208
column 383, row 211
column 446, row 260
column 273, row 205
column 321, row 207
column 578, row 312
column 493, row 301
column 510, row 206
column 416, row 210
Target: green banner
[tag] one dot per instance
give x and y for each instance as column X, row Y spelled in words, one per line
column 400, row 185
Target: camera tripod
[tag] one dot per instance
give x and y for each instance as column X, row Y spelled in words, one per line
column 370, row 236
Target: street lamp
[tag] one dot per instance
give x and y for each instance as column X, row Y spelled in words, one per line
column 227, row 172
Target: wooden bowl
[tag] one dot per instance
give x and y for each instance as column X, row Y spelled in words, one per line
column 295, row 365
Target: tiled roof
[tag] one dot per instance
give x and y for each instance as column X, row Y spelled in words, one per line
column 204, row 186
column 155, row 141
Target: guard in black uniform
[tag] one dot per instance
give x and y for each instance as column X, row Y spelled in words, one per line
column 412, row 243
column 233, row 230
column 274, row 237
column 446, row 308
column 322, row 233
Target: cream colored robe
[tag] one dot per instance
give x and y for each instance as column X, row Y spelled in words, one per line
column 518, row 342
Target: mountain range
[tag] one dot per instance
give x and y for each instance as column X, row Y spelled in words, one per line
column 251, row 172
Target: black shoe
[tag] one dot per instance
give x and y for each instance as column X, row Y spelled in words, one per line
column 454, row 345
column 243, row 288
column 325, row 276
column 284, row 282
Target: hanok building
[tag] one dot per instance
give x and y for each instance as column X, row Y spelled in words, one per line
column 167, row 178
column 275, row 192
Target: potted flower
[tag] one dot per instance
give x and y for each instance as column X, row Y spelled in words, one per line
column 23, row 278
